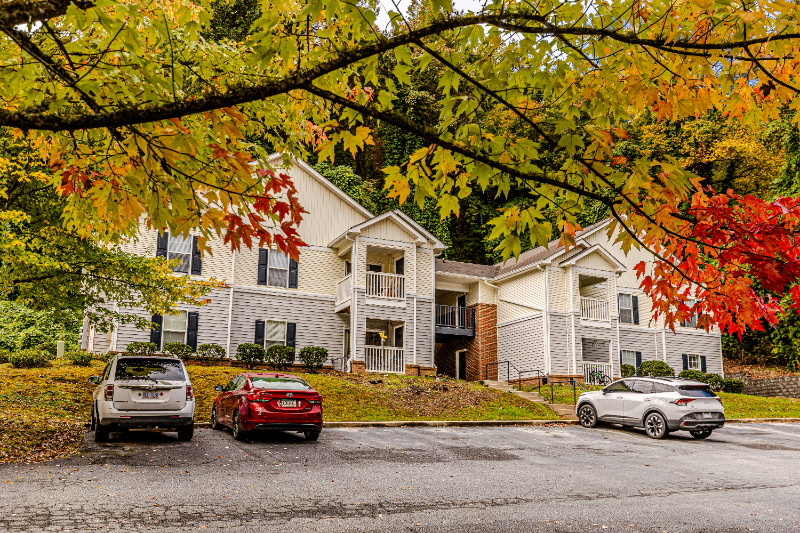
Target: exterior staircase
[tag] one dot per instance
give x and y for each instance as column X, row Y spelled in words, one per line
column 565, row 410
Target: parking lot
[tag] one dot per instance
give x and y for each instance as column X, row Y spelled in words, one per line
column 745, row 477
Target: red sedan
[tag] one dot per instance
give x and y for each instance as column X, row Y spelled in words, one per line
column 260, row 400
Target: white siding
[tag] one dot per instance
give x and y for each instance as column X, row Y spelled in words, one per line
column 389, row 230
column 507, row 311
column 526, row 289
column 692, row 343
column 424, row 274
column 522, row 343
column 558, row 290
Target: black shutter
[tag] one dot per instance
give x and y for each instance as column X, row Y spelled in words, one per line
column 197, row 261
column 703, row 363
column 155, row 333
column 685, row 362
column 638, row 361
column 191, row 330
column 291, row 333
column 263, row 257
column 635, row 310
column 259, row 333
column 620, row 362
column 161, row 244
column 292, row 274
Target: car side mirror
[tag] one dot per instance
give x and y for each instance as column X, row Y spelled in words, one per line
column 219, row 388
column 605, row 392
column 94, row 380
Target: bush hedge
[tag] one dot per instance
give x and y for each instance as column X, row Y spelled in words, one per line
column 177, row 349
column 141, row 348
column 628, row 371
column 280, row 357
column 104, row 356
column 79, row 358
column 655, row 369
column 21, row 327
column 210, row 353
column 30, row 358
column 714, row 380
column 250, row 354
column 735, row 386
column 313, row 358
column 4, row 355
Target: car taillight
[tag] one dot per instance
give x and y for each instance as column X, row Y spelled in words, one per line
column 108, row 393
column 315, row 400
column 258, row 398
column 682, row 401
column 719, row 399
column 189, row 393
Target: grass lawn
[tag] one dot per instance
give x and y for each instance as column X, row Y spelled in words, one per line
column 43, row 410
column 562, row 393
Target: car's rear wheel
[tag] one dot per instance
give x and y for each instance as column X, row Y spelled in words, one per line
column 700, row 434
column 587, row 416
column 312, row 435
column 656, row 426
column 238, row 432
column 101, row 433
column 214, row 421
column 93, row 422
column 185, row 433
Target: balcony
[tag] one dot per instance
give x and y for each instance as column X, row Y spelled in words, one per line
column 594, row 309
column 343, row 292
column 454, row 321
column 385, row 359
column 388, row 286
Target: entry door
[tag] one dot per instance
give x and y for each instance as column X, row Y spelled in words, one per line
column 398, row 337
column 462, row 365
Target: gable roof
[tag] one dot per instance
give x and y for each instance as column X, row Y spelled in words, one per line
column 322, row 180
column 405, row 222
column 472, row 270
column 618, row 266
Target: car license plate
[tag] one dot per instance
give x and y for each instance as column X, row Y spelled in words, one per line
column 288, row 403
column 150, row 394
column 708, row 415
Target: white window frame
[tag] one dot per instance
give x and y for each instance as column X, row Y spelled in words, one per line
column 271, row 268
column 693, row 357
column 190, row 240
column 619, row 303
column 164, row 329
column 274, row 342
column 632, row 355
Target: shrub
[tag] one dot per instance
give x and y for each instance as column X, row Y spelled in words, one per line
column 80, row 358
column 30, row 358
column 4, row 354
column 177, row 349
column 104, row 356
column 280, row 356
column 655, row 369
column 735, row 386
column 49, row 347
column 693, row 374
column 210, row 353
column 628, row 371
column 714, row 380
column 312, row 358
column 250, row 354
column 141, row 348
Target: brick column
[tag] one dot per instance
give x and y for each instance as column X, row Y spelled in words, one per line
column 484, row 346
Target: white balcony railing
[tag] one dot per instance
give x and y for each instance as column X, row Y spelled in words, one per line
column 343, row 288
column 593, row 309
column 381, row 285
column 597, row 373
column 385, row 359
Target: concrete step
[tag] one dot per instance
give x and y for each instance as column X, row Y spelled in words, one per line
column 564, row 410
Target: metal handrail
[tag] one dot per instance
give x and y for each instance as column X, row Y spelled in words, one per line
column 509, row 366
column 452, row 316
column 571, row 381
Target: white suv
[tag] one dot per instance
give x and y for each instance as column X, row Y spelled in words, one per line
column 143, row 392
column 659, row 405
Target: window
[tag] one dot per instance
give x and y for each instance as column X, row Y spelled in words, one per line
column 274, row 333
column 348, row 268
column 626, row 310
column 145, row 368
column 697, row 391
column 180, row 248
column 629, row 357
column 644, row 387
column 174, row 328
column 279, row 383
column 660, row 387
column 694, row 362
column 692, row 321
column 618, row 386
column 374, row 268
column 373, row 338
column 278, row 275
column 231, row 384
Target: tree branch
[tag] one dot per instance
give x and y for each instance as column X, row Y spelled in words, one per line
column 19, row 12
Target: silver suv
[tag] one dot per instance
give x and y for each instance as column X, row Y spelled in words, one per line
column 659, row 405
column 143, row 392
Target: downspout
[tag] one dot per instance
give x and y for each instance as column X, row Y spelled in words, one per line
column 230, row 304
column 619, row 347
column 546, row 322
column 572, row 317
column 353, row 317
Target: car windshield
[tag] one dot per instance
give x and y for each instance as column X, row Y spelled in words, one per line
column 149, row 369
column 279, row 383
column 697, row 391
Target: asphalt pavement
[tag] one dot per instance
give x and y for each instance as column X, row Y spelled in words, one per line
column 746, row 477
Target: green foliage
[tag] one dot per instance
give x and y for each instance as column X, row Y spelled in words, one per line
column 80, row 358
column 141, row 348
column 655, row 369
column 735, row 386
column 628, row 371
column 312, row 358
column 696, row 375
column 104, row 356
column 280, row 357
column 177, row 349
column 22, row 327
column 51, row 348
column 29, row 358
column 250, row 354
column 210, row 353
column 4, row 355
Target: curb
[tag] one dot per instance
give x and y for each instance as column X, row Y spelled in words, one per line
column 761, row 420
column 432, row 423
